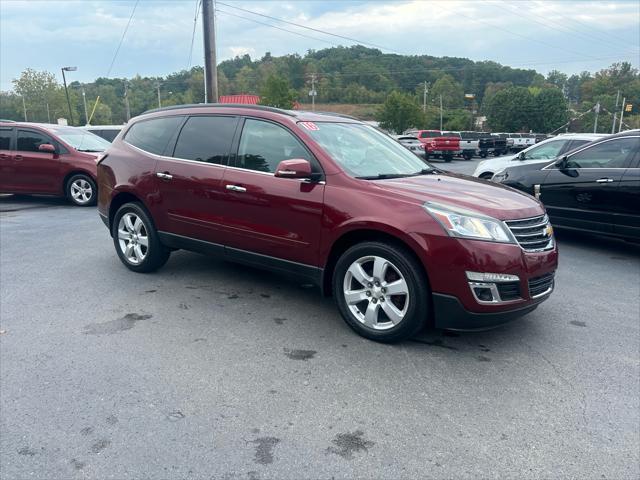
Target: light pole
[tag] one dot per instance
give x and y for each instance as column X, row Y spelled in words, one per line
column 66, row 91
column 84, row 100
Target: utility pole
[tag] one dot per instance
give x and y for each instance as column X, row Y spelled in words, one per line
column 313, row 92
column 48, row 115
column 424, row 98
column 84, row 100
column 440, row 112
column 624, row 102
column 595, row 125
column 24, row 108
column 158, row 89
column 126, row 101
column 615, row 112
column 210, row 66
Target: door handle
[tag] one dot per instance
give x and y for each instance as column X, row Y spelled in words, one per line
column 164, row 176
column 604, row 180
column 4, row 156
column 18, row 158
column 236, row 188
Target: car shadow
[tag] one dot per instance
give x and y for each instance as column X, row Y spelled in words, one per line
column 597, row 243
column 17, row 203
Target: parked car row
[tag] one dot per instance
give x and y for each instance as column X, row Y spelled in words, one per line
column 468, row 144
column 592, row 184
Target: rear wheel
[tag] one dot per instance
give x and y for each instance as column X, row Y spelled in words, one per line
column 136, row 240
column 381, row 291
column 81, row 190
column 483, row 154
column 466, row 156
column 447, row 158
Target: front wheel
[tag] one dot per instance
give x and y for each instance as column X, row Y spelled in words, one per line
column 81, row 190
column 381, row 291
column 136, row 240
column 486, row 175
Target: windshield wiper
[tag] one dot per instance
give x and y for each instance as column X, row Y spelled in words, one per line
column 88, row 150
column 382, row 176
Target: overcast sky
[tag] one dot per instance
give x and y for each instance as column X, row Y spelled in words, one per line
column 566, row 35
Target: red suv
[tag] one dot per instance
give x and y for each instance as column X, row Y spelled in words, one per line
column 398, row 243
column 49, row 159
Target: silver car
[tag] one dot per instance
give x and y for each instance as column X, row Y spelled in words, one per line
column 412, row 144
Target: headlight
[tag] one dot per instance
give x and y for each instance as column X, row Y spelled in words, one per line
column 459, row 222
column 500, row 176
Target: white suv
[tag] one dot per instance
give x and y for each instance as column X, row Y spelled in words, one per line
column 538, row 153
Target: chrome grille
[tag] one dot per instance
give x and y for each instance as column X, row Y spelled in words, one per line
column 533, row 234
column 509, row 290
column 540, row 285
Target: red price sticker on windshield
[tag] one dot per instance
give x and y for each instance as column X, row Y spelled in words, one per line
column 309, row 125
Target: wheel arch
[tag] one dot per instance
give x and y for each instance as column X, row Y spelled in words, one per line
column 353, row 237
column 74, row 172
column 120, row 199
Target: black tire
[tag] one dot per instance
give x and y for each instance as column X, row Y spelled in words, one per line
column 483, row 154
column 426, row 155
column 416, row 312
column 447, row 158
column 155, row 254
column 497, row 153
column 486, row 176
column 466, row 156
column 81, row 190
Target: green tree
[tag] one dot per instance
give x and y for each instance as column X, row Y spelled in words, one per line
column 276, row 92
column 451, row 91
column 511, row 110
column 551, row 110
column 399, row 112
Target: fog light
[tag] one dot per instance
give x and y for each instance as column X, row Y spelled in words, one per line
column 491, row 277
column 483, row 294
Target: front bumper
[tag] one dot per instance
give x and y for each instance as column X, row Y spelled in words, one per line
column 451, row 315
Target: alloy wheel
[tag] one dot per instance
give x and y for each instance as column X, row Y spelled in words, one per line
column 81, row 191
column 376, row 292
column 133, row 238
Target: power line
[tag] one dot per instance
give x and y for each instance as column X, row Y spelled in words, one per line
column 193, row 34
column 511, row 32
column 115, row 55
column 351, row 39
column 560, row 27
column 273, row 26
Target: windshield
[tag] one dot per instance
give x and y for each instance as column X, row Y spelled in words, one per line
column 364, row 152
column 82, row 140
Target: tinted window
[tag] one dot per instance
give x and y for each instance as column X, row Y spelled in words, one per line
column 153, row 135
column 430, row 134
column 206, row 139
column 5, row 139
column 30, row 140
column 611, row 154
column 573, row 144
column 108, row 135
column 264, row 145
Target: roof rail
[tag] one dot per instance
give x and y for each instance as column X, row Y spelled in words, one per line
column 333, row 114
column 222, row 105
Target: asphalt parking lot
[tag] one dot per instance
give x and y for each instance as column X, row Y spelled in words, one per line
column 207, row 369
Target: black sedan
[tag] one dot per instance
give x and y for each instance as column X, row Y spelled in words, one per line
column 594, row 188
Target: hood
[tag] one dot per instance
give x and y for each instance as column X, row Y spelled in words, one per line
column 526, row 167
column 490, row 199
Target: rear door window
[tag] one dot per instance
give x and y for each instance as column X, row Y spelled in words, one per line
column 30, row 140
column 206, row 139
column 153, row 135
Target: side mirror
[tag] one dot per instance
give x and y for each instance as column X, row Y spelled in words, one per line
column 47, row 148
column 294, row 168
column 561, row 163
column 522, row 156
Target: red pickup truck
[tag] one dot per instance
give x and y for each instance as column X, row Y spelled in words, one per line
column 438, row 145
